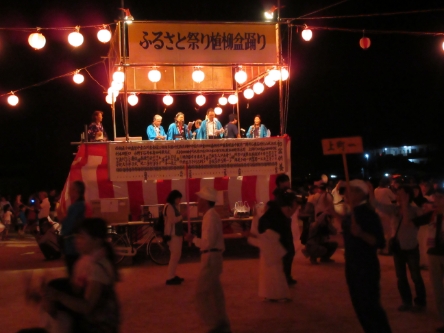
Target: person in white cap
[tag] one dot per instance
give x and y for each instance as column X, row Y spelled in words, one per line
column 363, row 236
column 210, row 297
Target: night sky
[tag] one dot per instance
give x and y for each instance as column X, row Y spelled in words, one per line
column 390, row 94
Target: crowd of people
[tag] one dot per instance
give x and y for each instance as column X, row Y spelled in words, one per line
column 368, row 219
column 209, row 128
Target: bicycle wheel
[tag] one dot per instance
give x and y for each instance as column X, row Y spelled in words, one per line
column 158, row 250
column 117, row 241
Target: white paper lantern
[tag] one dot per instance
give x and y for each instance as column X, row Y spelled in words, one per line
column 133, row 99
column 307, row 34
column 275, row 74
column 117, row 86
column 154, row 75
column 232, row 99
column 240, row 76
column 75, row 38
column 284, row 74
column 218, row 110
column 13, row 100
column 223, row 100
column 268, row 80
column 168, row 100
column 258, row 88
column 37, row 40
column 104, row 35
column 119, row 76
column 198, row 76
column 200, row 100
column 78, row 78
column 108, row 99
column 248, row 93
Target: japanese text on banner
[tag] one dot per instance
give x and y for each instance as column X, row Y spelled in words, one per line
column 205, row 158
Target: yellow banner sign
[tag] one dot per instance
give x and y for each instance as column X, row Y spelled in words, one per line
column 155, row 43
column 351, row 145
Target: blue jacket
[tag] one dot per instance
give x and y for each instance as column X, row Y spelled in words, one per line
column 172, row 131
column 151, row 132
column 262, row 132
column 202, row 134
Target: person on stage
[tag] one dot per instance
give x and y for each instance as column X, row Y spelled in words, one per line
column 179, row 130
column 257, row 130
column 155, row 131
column 211, row 128
column 231, row 130
column 96, row 132
column 197, row 125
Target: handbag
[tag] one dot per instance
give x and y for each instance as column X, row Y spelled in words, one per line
column 394, row 246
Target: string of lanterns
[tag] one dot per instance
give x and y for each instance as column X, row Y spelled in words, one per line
column 78, row 78
column 198, row 76
column 37, row 40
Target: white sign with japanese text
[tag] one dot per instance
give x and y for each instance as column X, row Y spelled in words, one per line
column 152, row 160
column 154, row 43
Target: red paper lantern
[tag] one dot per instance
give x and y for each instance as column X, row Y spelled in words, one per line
column 364, row 42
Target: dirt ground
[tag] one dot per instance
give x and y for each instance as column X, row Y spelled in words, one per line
column 320, row 299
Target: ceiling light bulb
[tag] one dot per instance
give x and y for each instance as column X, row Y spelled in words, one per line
column 167, row 100
column 198, row 76
column 232, row 99
column 240, row 76
column 133, row 99
column 78, row 78
column 13, row 100
column 37, row 40
column 275, row 74
column 258, row 88
column 248, row 93
column 200, row 100
column 223, row 100
column 284, row 74
column 104, row 35
column 154, row 75
column 75, row 38
column 119, row 76
column 307, row 34
column 269, row 82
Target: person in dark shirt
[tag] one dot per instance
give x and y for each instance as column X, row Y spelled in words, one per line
column 278, row 218
column 96, row 131
column 363, row 236
column 231, row 130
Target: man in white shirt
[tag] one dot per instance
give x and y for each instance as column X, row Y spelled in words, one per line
column 385, row 196
column 211, row 128
column 210, row 297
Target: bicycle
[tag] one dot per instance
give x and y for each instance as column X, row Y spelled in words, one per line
column 156, row 248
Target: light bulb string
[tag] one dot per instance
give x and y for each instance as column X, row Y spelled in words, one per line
column 55, row 78
column 39, row 29
column 376, row 31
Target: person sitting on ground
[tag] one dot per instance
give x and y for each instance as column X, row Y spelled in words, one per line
column 318, row 244
column 86, row 302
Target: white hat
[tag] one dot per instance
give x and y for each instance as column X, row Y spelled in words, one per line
column 359, row 184
column 208, row 193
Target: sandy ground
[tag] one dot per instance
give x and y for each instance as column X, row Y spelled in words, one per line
column 320, row 299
